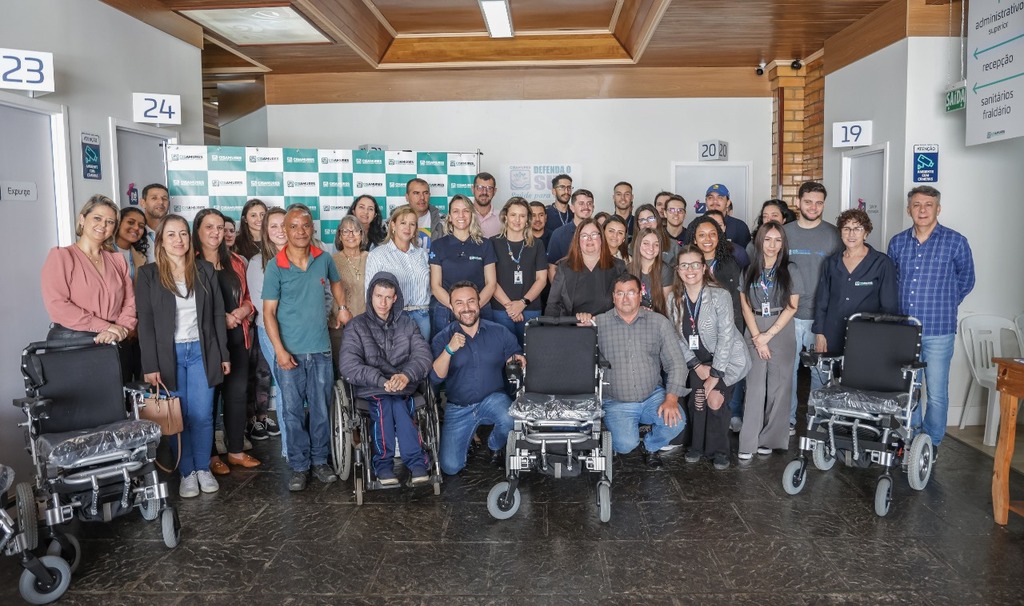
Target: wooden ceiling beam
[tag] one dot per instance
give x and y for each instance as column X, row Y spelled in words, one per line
column 637, row 22
column 350, row 22
column 478, row 51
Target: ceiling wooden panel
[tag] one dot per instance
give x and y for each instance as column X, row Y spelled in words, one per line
column 481, row 50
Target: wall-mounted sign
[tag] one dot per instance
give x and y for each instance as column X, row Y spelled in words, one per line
column 995, row 82
column 713, row 150
column 154, row 108
column 851, row 134
column 23, row 191
column 926, row 163
column 91, row 167
column 26, row 70
column 956, row 96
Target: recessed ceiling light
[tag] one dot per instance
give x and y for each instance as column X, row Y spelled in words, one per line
column 248, row 26
column 498, row 18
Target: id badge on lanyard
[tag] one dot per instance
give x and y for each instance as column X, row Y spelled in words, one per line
column 766, row 309
column 694, row 342
column 517, row 277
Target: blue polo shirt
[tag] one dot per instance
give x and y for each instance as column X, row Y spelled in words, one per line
column 300, row 297
column 477, row 369
column 460, row 260
column 560, row 242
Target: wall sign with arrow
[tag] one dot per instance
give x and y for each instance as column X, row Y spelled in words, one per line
column 995, row 71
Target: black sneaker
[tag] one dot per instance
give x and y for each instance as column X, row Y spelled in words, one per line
column 298, row 481
column 325, row 474
column 692, row 456
column 273, row 429
column 498, row 458
column 256, row 430
column 721, row 461
column 935, row 453
column 420, row 476
column 651, row 459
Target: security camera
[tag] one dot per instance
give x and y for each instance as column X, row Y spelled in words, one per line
column 796, row 64
column 759, row 70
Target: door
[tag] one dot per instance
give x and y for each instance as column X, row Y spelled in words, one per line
column 140, row 159
column 692, row 179
column 865, row 186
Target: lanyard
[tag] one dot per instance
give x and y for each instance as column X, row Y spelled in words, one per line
column 694, row 310
column 767, row 279
column 515, row 258
column 563, row 218
column 712, row 265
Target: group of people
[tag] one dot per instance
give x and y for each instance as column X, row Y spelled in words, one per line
column 701, row 321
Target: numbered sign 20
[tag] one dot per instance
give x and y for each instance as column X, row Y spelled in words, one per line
column 711, row 150
column 851, row 134
column 152, row 108
column 26, row 70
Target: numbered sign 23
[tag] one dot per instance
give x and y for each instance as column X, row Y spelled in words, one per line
column 26, row 70
column 153, row 108
column 851, row 134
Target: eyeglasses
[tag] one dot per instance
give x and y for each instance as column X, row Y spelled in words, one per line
column 484, row 188
column 648, row 220
column 691, row 265
column 563, row 187
column 590, row 236
column 625, row 293
column 350, row 232
column 853, row 230
column 676, row 211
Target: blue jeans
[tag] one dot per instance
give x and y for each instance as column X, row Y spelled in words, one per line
column 517, row 328
column 739, row 392
column 461, row 421
column 309, row 383
column 196, row 409
column 624, row 419
column 804, row 340
column 271, row 357
column 422, row 319
column 937, row 352
column 393, row 416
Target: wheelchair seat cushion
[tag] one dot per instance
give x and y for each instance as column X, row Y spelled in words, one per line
column 546, row 407
column 67, row 448
column 837, row 397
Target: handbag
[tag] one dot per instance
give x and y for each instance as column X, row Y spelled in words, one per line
column 165, row 411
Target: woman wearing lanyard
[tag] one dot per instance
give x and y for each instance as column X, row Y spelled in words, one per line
column 402, row 256
column 655, row 275
column 769, row 296
column 710, row 239
column 521, row 268
column 714, row 352
column 462, row 254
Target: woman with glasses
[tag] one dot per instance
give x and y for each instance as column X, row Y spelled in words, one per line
column 351, row 263
column 646, row 217
column 857, row 279
column 584, row 278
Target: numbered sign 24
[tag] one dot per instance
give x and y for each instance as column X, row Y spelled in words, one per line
column 26, row 70
column 851, row 134
column 153, row 108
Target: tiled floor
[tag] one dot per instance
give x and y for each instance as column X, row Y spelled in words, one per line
column 974, row 436
column 682, row 535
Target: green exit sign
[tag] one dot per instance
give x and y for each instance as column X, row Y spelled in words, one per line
column 956, row 97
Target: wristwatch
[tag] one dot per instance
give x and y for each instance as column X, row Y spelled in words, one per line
column 342, row 308
column 527, row 301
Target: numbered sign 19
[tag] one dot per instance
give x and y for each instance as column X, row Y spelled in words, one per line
column 26, row 70
column 708, row 151
column 152, row 108
column 851, row 134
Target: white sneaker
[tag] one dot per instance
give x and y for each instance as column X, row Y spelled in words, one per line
column 189, row 486
column 761, row 450
column 735, row 424
column 744, row 456
column 207, row 483
column 792, row 430
column 669, row 447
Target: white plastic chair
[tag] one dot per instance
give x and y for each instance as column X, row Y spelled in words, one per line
column 982, row 335
column 1019, row 321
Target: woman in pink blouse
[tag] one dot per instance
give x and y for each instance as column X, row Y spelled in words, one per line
column 87, row 288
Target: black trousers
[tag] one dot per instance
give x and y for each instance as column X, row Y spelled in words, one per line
column 710, row 427
column 257, row 401
column 233, row 394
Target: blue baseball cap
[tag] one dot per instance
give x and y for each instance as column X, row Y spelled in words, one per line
column 719, row 189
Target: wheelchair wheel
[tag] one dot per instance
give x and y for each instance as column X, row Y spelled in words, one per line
column 150, row 509
column 341, row 432
column 822, row 460
column 170, row 526
column 609, row 454
column 794, row 476
column 500, row 504
column 919, row 462
column 35, row 592
column 72, row 554
column 28, row 514
column 357, row 483
column 604, row 500
column 883, row 495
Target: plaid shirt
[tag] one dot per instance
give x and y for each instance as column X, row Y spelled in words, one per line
column 934, row 277
column 638, row 352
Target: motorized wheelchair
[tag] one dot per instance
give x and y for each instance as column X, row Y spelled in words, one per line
column 92, row 455
column 557, row 414
column 44, row 579
column 352, row 453
column 864, row 416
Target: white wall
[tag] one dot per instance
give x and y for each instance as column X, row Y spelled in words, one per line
column 613, row 139
column 251, row 129
column 902, row 88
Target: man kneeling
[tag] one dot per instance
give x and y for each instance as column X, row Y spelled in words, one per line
column 384, row 357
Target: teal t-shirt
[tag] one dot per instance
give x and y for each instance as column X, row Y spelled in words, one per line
column 300, row 297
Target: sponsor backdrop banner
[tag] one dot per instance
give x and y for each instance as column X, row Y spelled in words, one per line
column 325, row 180
column 533, row 181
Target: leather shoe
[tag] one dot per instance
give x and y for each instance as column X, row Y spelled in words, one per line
column 498, row 458
column 243, row 460
column 218, row 467
column 651, row 459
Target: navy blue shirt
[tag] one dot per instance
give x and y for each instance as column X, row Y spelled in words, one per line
column 460, row 260
column 735, row 231
column 871, row 287
column 477, row 368
column 560, row 242
column 557, row 219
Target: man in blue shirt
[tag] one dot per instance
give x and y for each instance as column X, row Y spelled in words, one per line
column 936, row 272
column 470, row 356
column 559, row 213
column 293, row 311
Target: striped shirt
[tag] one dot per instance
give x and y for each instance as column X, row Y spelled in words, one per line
column 410, row 268
column 934, row 277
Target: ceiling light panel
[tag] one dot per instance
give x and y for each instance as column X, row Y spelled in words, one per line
column 497, row 17
column 252, row 26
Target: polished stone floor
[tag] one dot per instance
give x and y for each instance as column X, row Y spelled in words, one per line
column 685, row 534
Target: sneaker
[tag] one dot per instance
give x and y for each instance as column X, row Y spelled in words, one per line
column 207, row 483
column 721, row 461
column 670, row 447
column 256, row 430
column 692, row 456
column 497, row 459
column 764, row 450
column 744, row 456
column 189, row 486
column 298, row 481
column 735, row 424
column 324, row 473
column 273, row 429
column 652, row 459
column 792, row 429
column 420, row 477
column 387, row 478
column 935, row 453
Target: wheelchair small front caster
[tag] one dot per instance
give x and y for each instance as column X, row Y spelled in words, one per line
column 500, row 504
column 883, row 495
column 794, row 476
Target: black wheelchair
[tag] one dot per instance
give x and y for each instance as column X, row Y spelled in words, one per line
column 92, row 455
column 352, row 450
column 863, row 417
column 557, row 414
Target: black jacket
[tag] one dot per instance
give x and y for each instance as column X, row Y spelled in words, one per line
column 157, row 307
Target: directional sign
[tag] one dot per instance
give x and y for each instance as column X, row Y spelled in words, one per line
column 926, row 163
column 995, row 71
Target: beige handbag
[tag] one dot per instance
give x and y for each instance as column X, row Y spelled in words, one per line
column 165, row 411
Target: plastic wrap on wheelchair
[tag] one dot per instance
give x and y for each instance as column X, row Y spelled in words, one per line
column 837, row 397
column 68, row 448
column 546, row 407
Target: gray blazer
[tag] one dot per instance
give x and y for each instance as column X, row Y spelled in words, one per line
column 718, row 333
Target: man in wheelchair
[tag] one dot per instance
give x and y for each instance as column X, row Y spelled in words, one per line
column 384, row 358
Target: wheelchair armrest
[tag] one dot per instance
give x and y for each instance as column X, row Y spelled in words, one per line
column 35, row 407
column 602, row 362
column 139, row 386
column 913, row 367
column 814, row 358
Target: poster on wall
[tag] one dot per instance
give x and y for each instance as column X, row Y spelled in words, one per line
column 325, row 180
column 995, row 82
column 533, row 181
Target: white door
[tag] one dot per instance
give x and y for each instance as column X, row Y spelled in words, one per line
column 139, row 153
column 692, row 179
column 865, row 186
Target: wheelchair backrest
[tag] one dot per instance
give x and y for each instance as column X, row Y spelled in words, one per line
column 875, row 352
column 561, row 360
column 84, row 384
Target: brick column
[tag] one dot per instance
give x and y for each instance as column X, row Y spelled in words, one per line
column 787, row 87
column 814, row 118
